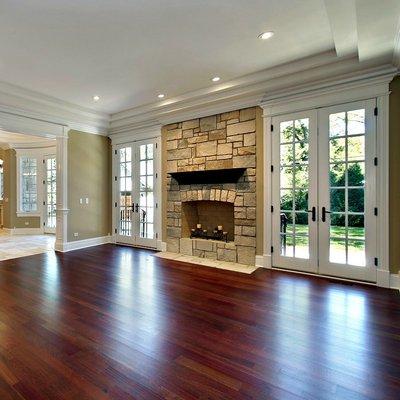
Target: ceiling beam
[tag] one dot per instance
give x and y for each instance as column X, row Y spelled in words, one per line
column 343, row 22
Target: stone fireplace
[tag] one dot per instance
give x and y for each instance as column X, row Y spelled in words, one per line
column 211, row 181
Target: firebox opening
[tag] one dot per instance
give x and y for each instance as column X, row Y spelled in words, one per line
column 210, row 214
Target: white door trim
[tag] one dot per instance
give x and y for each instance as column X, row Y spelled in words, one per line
column 365, row 89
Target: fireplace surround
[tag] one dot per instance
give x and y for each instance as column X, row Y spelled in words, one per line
column 211, row 180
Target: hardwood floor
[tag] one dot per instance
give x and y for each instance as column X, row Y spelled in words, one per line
column 113, row 322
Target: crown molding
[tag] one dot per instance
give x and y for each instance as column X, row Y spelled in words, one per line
column 369, row 83
column 247, row 91
column 396, row 47
column 26, row 103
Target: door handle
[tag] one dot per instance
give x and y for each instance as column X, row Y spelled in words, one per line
column 137, row 207
column 313, row 212
column 324, row 212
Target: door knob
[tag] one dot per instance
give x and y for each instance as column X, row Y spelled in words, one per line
column 324, row 212
column 313, row 212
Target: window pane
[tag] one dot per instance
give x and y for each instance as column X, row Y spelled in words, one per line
column 286, row 200
column 356, row 252
column 356, row 228
column 287, row 247
column 356, row 174
column 286, row 154
column 337, row 124
column 356, row 122
column 337, row 175
column 356, row 148
column 286, row 130
column 301, row 129
column 337, row 149
column 337, row 200
column 356, row 200
column 302, row 247
column 337, row 251
column 286, row 177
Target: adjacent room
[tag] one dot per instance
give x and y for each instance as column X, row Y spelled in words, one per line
column 199, row 200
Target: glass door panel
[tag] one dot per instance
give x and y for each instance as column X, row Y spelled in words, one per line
column 124, row 195
column 145, row 229
column 50, row 199
column 347, row 135
column 293, row 194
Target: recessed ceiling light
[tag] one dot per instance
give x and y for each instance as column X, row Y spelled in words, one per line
column 161, row 96
column 216, row 79
column 96, row 98
column 266, row 35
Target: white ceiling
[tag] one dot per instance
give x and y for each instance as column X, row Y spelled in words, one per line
column 10, row 139
column 129, row 51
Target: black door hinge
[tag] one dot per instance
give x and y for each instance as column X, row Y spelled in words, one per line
column 156, row 235
column 376, row 261
column 156, row 205
column 115, row 204
column 156, row 145
column 44, row 203
column 115, row 230
column 156, row 175
column 272, row 128
column 376, row 111
column 376, row 211
column 272, row 208
column 272, row 249
column 272, row 168
column 115, row 178
column 115, row 152
column 376, row 161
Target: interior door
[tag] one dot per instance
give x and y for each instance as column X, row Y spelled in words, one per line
column 294, row 191
column 347, row 195
column 50, row 192
column 136, row 194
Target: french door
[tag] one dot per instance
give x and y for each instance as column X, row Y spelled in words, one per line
column 50, row 201
column 135, row 197
column 324, row 191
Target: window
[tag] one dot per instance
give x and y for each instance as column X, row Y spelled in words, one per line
column 28, row 184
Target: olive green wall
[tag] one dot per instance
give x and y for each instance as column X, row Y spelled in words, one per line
column 10, row 219
column 394, row 176
column 89, row 175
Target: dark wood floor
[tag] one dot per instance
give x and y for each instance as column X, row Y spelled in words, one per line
column 117, row 323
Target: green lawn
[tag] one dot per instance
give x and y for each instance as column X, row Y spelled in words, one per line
column 355, row 234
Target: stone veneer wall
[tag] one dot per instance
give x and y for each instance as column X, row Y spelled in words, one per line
column 226, row 140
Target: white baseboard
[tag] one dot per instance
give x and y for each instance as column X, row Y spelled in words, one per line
column 24, row 231
column 82, row 244
column 163, row 246
column 264, row 261
column 395, row 281
column 383, row 278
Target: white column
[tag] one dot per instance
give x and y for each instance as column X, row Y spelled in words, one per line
column 62, row 191
column 383, row 271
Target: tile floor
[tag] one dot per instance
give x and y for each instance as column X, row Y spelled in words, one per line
column 14, row 246
column 230, row 266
